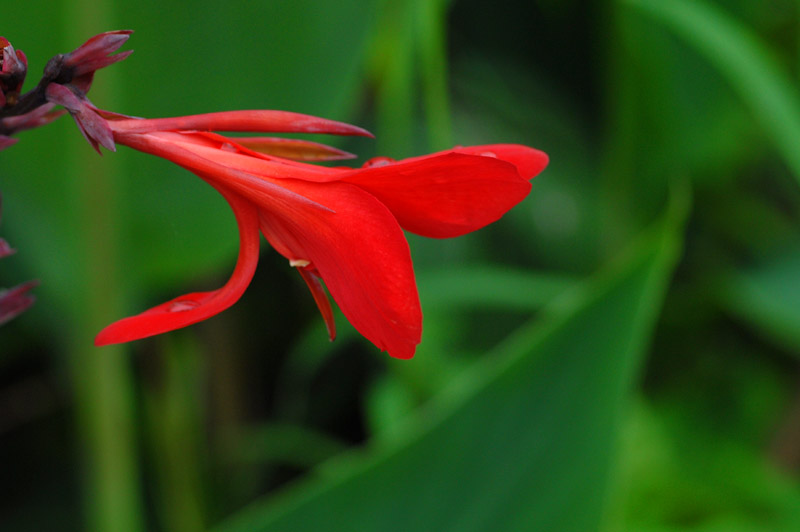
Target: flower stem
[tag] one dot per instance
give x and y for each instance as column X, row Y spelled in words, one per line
column 103, row 382
column 175, row 419
column 432, row 44
column 617, row 196
column 394, row 65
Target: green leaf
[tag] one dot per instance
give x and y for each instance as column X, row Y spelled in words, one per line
column 768, row 296
column 679, row 469
column 489, row 287
column 749, row 65
column 281, row 443
column 519, row 439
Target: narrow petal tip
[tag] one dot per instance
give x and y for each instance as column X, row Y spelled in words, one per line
column 529, row 161
column 5, row 142
column 294, row 149
column 261, row 121
column 15, row 301
column 312, row 279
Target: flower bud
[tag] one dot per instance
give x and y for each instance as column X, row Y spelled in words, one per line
column 13, row 67
column 93, row 55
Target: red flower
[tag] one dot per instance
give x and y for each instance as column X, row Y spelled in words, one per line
column 342, row 225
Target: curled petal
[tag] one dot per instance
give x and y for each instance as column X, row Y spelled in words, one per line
column 257, row 121
column 361, row 253
column 192, row 308
column 444, row 196
column 528, row 161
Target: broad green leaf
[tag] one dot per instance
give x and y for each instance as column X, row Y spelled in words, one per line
column 523, row 441
column 749, row 65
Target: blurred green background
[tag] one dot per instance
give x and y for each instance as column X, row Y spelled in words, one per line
column 619, row 352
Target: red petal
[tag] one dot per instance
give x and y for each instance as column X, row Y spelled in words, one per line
column 361, row 253
column 192, row 308
column 447, row 195
column 227, row 152
column 295, row 149
column 528, row 161
column 259, row 120
column 259, row 190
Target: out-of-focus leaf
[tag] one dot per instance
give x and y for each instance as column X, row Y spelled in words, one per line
column 768, row 296
column 515, row 442
column 431, row 21
column 745, row 60
column 489, row 287
column 557, row 225
column 283, row 444
column 175, row 417
column 674, row 468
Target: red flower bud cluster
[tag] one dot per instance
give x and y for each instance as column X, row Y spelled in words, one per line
column 66, row 80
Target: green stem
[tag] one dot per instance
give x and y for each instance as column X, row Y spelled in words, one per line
column 617, row 193
column 395, row 75
column 432, row 42
column 103, row 381
column 175, row 420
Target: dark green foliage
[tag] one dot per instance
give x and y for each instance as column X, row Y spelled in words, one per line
column 612, row 355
